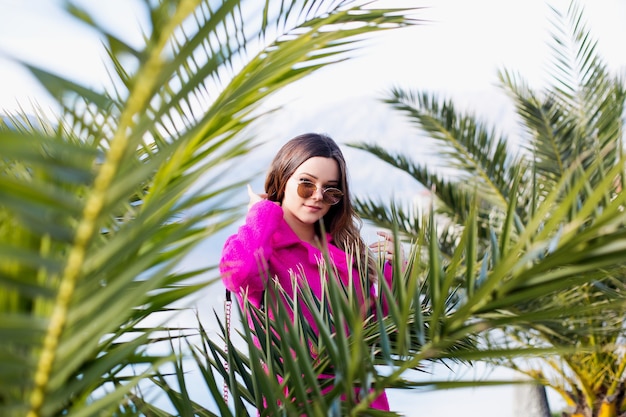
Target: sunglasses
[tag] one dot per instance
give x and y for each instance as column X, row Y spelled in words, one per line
column 330, row 195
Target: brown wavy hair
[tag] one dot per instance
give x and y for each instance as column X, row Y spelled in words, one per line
column 341, row 221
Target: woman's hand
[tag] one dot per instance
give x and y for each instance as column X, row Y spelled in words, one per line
column 254, row 197
column 386, row 247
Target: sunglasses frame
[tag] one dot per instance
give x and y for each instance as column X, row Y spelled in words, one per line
column 307, row 188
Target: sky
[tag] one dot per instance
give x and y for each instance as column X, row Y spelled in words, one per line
column 458, row 53
column 458, row 50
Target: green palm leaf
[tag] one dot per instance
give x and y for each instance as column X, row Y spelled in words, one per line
column 98, row 211
column 572, row 143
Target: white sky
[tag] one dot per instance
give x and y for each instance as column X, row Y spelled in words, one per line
column 458, row 52
column 460, row 49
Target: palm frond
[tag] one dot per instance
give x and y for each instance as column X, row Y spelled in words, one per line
column 572, row 144
column 580, row 114
column 468, row 148
column 99, row 210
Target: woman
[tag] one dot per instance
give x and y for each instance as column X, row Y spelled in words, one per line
column 306, row 186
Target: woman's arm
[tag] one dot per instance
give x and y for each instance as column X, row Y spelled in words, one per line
column 244, row 258
column 385, row 248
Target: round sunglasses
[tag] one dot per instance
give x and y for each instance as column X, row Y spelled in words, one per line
column 330, row 195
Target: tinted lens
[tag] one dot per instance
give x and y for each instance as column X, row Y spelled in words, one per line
column 306, row 189
column 332, row 196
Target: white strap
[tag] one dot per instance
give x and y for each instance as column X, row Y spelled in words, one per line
column 227, row 310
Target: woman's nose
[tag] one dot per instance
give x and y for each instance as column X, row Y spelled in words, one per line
column 319, row 193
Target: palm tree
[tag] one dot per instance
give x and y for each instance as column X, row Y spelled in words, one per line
column 572, row 141
column 96, row 211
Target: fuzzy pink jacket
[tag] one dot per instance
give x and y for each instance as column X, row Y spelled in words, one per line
column 266, row 246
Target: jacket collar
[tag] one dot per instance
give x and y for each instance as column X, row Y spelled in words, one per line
column 284, row 236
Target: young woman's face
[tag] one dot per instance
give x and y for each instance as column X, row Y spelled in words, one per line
column 299, row 211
